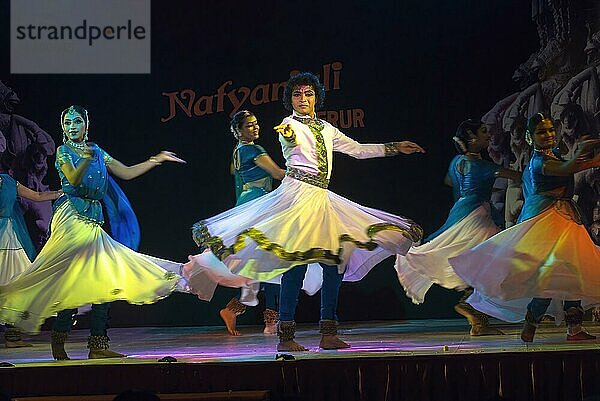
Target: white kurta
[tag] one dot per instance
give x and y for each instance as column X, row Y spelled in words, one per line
column 301, row 221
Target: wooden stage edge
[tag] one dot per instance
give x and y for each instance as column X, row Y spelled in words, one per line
column 399, row 360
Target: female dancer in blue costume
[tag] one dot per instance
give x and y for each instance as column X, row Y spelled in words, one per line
column 253, row 171
column 16, row 249
column 472, row 220
column 81, row 264
column 548, row 254
column 276, row 235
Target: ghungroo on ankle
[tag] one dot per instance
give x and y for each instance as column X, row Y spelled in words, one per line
column 236, row 306
column 574, row 316
column 270, row 316
column 328, row 327
column 12, row 334
column 98, row 342
column 58, row 337
column 286, row 330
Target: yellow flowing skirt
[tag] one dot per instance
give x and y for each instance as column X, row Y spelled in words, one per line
column 79, row 265
column 547, row 256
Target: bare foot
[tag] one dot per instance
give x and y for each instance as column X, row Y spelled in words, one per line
column 290, row 346
column 270, row 329
column 18, row 344
column 581, row 336
column 485, row 331
column 229, row 317
column 330, row 341
column 104, row 353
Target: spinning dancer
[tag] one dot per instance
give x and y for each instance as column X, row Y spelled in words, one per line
column 472, row 220
column 81, row 264
column 548, row 254
column 301, row 221
column 16, row 248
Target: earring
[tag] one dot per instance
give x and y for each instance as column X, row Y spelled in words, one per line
column 528, row 138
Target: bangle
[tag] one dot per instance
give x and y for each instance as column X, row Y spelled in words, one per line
column 391, row 149
column 152, row 159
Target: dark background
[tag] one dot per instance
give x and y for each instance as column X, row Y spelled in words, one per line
column 417, row 69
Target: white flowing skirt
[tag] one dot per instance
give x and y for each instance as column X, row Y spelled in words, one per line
column 427, row 264
column 300, row 223
column 79, row 265
column 513, row 311
column 204, row 272
column 547, row 256
column 13, row 258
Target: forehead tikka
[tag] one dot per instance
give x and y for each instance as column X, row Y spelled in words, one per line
column 72, row 113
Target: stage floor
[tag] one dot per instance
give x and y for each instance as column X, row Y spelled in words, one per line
column 368, row 339
column 405, row 360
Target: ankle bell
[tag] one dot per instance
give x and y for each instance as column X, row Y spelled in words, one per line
column 12, row 334
column 286, row 330
column 236, row 306
column 96, row 343
column 328, row 327
column 270, row 317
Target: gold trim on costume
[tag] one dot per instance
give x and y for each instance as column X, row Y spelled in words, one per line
column 305, row 176
column 204, row 240
column 316, row 126
column 262, row 183
column 414, row 232
column 391, row 149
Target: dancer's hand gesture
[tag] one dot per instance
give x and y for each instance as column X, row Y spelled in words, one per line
column 285, row 130
column 408, row 147
column 166, row 156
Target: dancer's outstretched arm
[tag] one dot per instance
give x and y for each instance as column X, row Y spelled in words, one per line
column 130, row 172
column 36, row 196
column 349, row 146
column 580, row 161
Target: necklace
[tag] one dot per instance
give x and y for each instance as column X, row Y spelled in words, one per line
column 77, row 145
column 548, row 152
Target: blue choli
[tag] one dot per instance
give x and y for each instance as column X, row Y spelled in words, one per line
column 470, row 190
column 251, row 181
column 85, row 196
column 95, row 186
column 10, row 210
column 542, row 191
